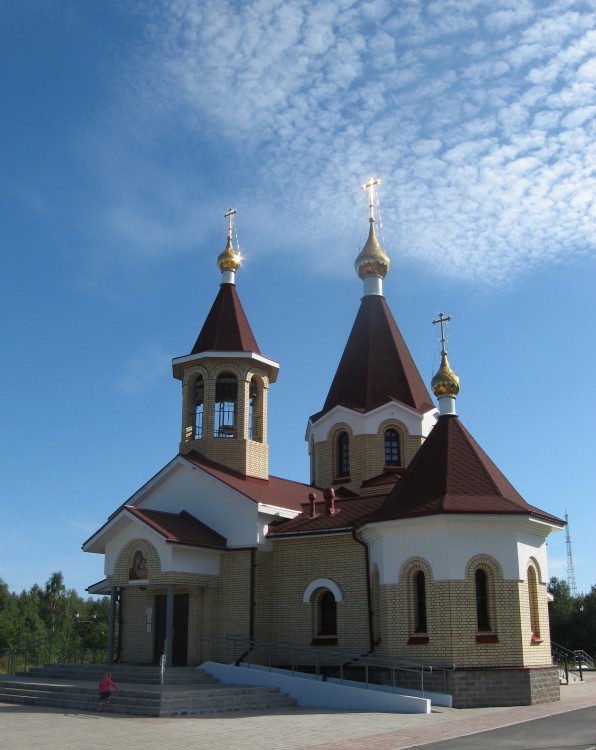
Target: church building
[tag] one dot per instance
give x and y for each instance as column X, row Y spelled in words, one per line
column 408, row 543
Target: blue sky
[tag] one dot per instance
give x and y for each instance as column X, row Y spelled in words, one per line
column 129, row 128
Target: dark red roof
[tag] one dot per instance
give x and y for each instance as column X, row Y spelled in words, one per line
column 349, row 513
column 283, row 493
column 226, row 328
column 376, row 366
column 179, row 528
column 450, row 473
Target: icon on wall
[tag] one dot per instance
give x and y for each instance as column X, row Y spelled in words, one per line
column 138, row 570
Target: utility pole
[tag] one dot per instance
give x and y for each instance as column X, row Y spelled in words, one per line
column 570, row 569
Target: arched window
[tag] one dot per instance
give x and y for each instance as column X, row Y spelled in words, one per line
column 253, row 411
column 420, row 595
column 198, row 397
column 326, row 614
column 482, row 599
column 226, row 399
column 392, row 453
column 343, row 455
column 533, row 601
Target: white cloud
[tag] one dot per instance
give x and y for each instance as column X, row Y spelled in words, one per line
column 470, row 111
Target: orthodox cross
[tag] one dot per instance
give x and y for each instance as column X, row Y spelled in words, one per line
column 370, row 186
column 230, row 217
column 442, row 320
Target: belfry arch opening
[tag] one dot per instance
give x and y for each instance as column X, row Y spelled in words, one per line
column 226, row 405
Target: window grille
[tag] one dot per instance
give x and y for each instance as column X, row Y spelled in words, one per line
column 392, row 457
column 343, row 455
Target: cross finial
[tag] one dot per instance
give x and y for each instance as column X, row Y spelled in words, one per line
column 442, row 320
column 230, row 217
column 370, row 186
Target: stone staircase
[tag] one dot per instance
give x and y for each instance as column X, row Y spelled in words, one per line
column 187, row 691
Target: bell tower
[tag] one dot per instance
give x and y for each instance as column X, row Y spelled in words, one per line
column 225, row 381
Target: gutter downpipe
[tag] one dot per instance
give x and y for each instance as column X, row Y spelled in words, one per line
column 251, row 609
column 253, row 565
column 371, row 645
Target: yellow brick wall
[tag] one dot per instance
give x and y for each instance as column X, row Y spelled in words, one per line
column 452, row 620
column 367, row 454
column 221, row 606
column 294, row 565
column 233, row 606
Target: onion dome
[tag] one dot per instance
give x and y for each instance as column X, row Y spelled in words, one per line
column 445, row 385
column 228, row 259
column 372, row 260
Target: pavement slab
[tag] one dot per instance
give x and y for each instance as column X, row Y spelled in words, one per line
column 28, row 728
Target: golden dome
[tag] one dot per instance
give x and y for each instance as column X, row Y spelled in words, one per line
column 445, row 382
column 372, row 261
column 228, row 260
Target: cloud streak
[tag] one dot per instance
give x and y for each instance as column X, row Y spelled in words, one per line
column 479, row 117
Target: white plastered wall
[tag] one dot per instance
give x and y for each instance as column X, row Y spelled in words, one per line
column 210, row 501
column 449, row 542
column 368, row 424
column 172, row 557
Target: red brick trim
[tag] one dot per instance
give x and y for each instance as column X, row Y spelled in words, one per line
column 487, row 639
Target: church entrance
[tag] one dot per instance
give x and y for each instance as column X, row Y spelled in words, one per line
column 180, row 639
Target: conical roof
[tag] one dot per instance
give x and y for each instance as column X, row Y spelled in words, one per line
column 450, row 473
column 376, row 366
column 226, row 328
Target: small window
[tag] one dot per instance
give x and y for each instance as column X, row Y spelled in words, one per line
column 533, row 601
column 198, row 397
column 392, row 454
column 226, row 398
column 482, row 599
column 420, row 595
column 327, row 614
column 343, row 455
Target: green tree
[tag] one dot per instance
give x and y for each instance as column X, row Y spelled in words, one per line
column 572, row 618
column 53, row 603
column 8, row 617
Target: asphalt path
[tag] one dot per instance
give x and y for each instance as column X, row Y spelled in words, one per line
column 573, row 730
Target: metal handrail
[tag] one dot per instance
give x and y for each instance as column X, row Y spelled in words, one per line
column 41, row 651
column 582, row 657
column 568, row 661
column 326, row 663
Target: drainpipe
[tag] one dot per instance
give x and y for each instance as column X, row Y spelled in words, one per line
column 251, row 609
column 253, row 565
column 371, row 645
column 120, row 624
column 112, row 624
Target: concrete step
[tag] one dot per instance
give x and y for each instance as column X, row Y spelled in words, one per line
column 121, row 673
column 178, row 699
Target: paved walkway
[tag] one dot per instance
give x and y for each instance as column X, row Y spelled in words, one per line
column 26, row 728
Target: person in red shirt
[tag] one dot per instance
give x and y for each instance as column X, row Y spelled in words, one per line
column 104, row 690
